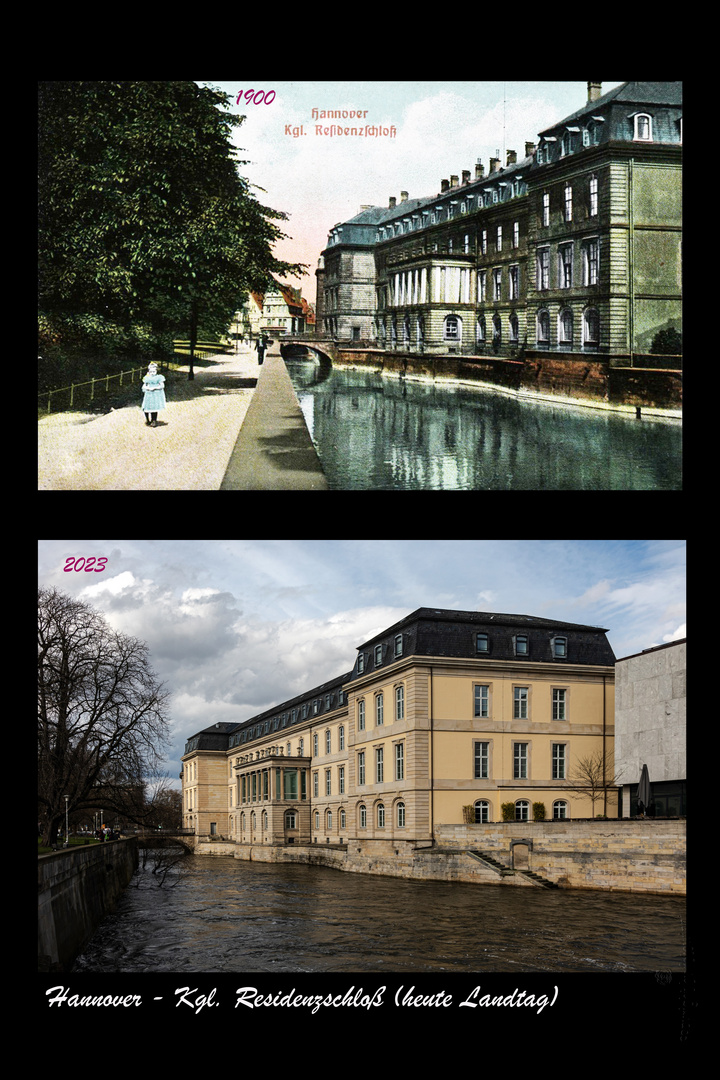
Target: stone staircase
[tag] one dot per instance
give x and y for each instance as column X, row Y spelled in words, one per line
column 504, row 871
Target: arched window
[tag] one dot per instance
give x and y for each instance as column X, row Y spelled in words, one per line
column 565, row 327
column 401, row 815
column 514, row 328
column 522, row 810
column 482, row 811
column 328, row 824
column 643, row 127
column 381, row 816
column 591, row 327
column 543, row 327
column 363, row 816
column 481, row 329
column 452, row 328
column 560, row 810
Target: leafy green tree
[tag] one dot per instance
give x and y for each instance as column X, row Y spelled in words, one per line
column 144, row 218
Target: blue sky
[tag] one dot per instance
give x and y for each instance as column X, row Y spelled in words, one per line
column 440, row 127
column 237, row 626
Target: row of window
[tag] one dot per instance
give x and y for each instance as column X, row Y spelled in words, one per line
column 521, row 702
column 379, row 654
column 521, row 760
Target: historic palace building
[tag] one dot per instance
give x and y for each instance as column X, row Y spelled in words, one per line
column 569, row 250
column 445, row 717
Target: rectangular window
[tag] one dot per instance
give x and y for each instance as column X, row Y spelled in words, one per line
column 341, row 737
column 560, row 646
column 565, row 261
column 327, row 742
column 543, row 268
column 399, row 761
column 546, row 208
column 361, row 715
column 516, row 234
column 398, row 645
column 482, row 760
column 521, row 645
column 379, row 765
column 315, row 785
column 482, row 699
column 499, row 237
column 520, row 703
column 593, row 196
column 399, row 702
column 558, row 761
column 361, row 767
column 520, row 761
column 497, row 283
column 379, row 710
column 559, row 703
column 514, row 282
column 378, row 655
column 481, row 642
column 568, row 202
column 591, row 262
column 341, row 779
column 328, row 781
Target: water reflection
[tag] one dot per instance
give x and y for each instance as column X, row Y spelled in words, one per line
column 381, row 433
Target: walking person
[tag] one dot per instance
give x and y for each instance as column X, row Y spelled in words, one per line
column 153, row 395
column 261, row 345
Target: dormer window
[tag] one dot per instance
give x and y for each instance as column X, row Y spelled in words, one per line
column 560, row 647
column 361, row 663
column 378, row 655
column 643, row 127
column 522, row 646
column 482, row 643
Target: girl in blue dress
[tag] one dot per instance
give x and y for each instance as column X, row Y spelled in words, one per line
column 153, row 395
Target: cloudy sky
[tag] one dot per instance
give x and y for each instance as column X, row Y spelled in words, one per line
column 237, row 626
column 441, row 128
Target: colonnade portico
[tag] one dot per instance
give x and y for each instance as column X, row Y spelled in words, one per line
column 272, row 798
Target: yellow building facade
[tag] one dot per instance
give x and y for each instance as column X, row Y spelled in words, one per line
column 445, row 717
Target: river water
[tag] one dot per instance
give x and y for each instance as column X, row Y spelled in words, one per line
column 383, row 433
column 225, row 915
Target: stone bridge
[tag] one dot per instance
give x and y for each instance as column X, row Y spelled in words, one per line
column 165, row 838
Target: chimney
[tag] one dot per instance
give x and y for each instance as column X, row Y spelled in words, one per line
column 594, row 91
column 466, row 176
column 511, row 157
column 494, row 164
column 529, row 149
column 392, row 202
column 403, row 196
column 479, row 169
column 453, row 181
column 444, row 186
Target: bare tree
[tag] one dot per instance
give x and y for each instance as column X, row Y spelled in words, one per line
column 102, row 714
column 592, row 776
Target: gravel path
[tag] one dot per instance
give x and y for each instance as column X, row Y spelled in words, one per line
column 188, row 451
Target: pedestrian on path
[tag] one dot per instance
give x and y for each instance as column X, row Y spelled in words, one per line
column 261, row 345
column 153, row 395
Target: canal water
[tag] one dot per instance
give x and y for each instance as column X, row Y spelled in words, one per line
column 384, row 433
column 225, row 915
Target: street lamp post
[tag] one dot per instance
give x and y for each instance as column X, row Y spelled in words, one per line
column 67, row 837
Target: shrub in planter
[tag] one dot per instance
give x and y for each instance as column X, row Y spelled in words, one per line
column 538, row 811
column 508, row 811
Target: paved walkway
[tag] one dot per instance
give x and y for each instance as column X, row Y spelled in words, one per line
column 192, row 445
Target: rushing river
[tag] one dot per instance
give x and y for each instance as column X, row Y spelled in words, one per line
column 224, row 915
column 382, row 433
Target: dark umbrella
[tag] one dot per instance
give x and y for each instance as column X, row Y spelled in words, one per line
column 643, row 790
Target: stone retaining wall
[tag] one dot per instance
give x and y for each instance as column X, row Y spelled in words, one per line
column 76, row 890
column 627, row 856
